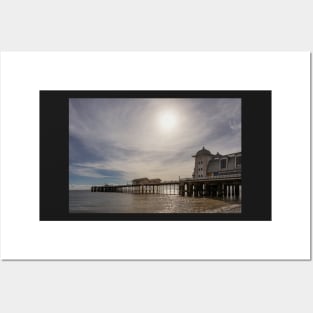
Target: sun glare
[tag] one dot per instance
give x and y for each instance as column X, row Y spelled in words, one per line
column 167, row 121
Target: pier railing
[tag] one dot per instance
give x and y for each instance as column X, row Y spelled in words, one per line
column 216, row 177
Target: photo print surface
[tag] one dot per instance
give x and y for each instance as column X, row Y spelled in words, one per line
column 155, row 155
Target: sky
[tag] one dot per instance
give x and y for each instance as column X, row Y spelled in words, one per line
column 113, row 141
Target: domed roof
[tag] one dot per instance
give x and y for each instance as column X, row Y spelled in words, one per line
column 203, row 151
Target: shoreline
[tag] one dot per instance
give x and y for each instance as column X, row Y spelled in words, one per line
column 94, row 203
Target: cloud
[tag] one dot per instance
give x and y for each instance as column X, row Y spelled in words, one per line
column 121, row 139
column 79, row 187
column 85, row 170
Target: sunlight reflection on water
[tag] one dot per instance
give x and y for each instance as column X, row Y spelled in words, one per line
column 112, row 202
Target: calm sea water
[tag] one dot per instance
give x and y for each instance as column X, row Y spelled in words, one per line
column 84, row 201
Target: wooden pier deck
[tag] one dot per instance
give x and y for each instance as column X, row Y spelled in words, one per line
column 214, row 186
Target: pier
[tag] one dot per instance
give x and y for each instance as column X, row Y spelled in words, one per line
column 227, row 185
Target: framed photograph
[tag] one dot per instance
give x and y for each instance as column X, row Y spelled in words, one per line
column 155, row 155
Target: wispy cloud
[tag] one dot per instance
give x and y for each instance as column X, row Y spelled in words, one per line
column 116, row 140
column 80, row 187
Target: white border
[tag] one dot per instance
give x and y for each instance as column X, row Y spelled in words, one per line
column 23, row 74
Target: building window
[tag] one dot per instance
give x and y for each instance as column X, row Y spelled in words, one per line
column 238, row 161
column 223, row 164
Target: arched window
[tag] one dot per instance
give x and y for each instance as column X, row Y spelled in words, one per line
column 238, row 161
column 223, row 164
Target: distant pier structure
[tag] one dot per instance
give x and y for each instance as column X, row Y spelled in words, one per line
column 214, row 175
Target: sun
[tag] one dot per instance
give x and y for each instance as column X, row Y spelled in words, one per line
column 167, row 121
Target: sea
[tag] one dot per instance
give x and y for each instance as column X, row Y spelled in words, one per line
column 85, row 201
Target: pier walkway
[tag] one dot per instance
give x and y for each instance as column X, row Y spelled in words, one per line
column 223, row 184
